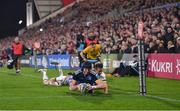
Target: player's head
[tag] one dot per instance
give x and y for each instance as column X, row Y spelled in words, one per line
column 86, row 68
column 91, row 36
column 16, row 40
column 99, row 67
column 178, row 40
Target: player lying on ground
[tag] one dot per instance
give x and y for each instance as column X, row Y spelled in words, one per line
column 92, row 80
column 85, row 79
column 56, row 81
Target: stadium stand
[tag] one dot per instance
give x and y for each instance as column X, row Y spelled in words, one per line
column 114, row 23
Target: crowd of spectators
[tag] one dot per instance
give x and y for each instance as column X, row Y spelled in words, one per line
column 117, row 35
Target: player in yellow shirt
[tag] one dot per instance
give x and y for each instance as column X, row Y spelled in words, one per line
column 92, row 52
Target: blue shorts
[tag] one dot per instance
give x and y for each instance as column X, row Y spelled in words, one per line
column 92, row 61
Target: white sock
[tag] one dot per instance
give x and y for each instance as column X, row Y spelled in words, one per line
column 45, row 77
column 45, row 70
column 94, row 87
column 60, row 72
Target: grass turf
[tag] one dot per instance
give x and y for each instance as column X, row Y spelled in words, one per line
column 26, row 92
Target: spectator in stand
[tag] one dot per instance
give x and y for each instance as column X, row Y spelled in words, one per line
column 70, row 47
column 178, row 45
column 146, row 45
column 134, row 47
column 125, row 49
column 153, row 47
column 169, row 35
column 161, row 48
column 171, row 47
column 3, row 57
column 80, row 45
column 115, row 49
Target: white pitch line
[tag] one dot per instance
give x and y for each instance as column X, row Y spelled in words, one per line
column 157, row 97
column 163, row 98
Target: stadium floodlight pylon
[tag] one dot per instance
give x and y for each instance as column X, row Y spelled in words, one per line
column 142, row 72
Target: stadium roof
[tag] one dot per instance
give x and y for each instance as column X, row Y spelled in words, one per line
column 46, row 7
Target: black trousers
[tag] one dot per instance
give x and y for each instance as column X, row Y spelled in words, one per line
column 80, row 59
column 15, row 59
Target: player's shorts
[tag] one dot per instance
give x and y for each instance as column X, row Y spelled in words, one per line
column 69, row 79
column 92, row 61
column 64, row 80
column 60, row 80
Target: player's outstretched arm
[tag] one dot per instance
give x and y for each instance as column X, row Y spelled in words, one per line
column 101, row 85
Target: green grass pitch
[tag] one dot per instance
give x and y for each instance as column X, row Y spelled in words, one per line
column 26, row 92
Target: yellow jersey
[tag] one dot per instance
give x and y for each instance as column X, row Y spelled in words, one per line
column 93, row 53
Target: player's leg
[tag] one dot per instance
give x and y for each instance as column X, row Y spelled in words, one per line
column 60, row 70
column 47, row 81
column 53, row 82
column 61, row 80
column 15, row 61
column 106, row 89
column 44, row 77
column 18, row 64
